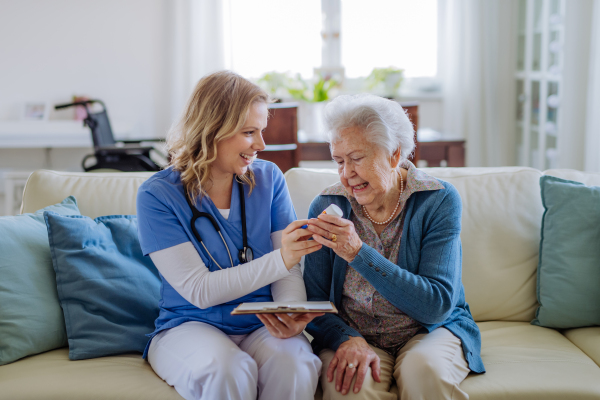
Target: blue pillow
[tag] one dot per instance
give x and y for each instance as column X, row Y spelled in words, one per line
column 108, row 290
column 568, row 284
column 31, row 320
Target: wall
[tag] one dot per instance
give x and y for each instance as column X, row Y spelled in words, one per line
column 113, row 50
column 117, row 51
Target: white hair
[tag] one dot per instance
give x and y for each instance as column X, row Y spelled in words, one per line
column 383, row 121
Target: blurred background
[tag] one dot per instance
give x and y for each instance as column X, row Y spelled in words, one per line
column 486, row 82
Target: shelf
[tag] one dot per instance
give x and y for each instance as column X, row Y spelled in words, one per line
column 52, row 134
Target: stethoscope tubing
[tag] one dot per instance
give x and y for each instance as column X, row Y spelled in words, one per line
column 246, row 254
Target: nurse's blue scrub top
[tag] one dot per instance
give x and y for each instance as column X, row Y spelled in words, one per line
column 164, row 221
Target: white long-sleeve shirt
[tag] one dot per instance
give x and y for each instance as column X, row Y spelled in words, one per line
column 183, row 268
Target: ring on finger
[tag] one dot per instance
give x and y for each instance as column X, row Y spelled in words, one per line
column 351, row 366
column 333, row 237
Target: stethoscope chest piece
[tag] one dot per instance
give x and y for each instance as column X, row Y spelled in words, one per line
column 245, row 255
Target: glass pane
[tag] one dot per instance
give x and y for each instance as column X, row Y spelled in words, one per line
column 535, row 102
column 521, row 53
column 551, row 152
column 289, row 33
column 552, row 102
column 522, row 16
column 537, row 16
column 534, row 146
column 537, row 52
column 553, row 63
column 520, row 100
column 554, row 8
column 520, row 148
column 399, row 33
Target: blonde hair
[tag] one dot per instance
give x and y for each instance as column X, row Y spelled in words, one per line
column 216, row 110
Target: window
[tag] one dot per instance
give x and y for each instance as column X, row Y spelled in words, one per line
column 400, row 33
column 274, row 35
column 288, row 35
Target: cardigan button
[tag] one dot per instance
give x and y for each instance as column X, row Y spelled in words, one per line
column 370, row 264
column 377, row 269
column 383, row 274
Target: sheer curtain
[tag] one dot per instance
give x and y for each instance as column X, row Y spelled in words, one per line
column 477, row 68
column 198, row 46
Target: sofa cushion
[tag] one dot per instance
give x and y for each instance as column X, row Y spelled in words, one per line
column 108, row 290
column 502, row 213
column 569, row 266
column 587, row 339
column 52, row 376
column 524, row 361
column 100, row 193
column 31, row 320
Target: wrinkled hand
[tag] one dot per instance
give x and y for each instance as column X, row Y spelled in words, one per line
column 347, row 244
column 284, row 326
column 353, row 351
column 295, row 243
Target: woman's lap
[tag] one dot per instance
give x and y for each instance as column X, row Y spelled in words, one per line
column 429, row 366
column 199, row 359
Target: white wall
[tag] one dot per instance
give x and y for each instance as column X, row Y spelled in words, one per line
column 114, row 50
column 111, row 49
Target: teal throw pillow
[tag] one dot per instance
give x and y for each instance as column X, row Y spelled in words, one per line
column 568, row 281
column 31, row 320
column 108, row 290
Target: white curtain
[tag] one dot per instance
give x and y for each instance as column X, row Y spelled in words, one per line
column 198, row 39
column 592, row 129
column 477, row 68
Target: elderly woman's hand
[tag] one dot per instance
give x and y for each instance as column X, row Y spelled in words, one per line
column 326, row 228
column 355, row 351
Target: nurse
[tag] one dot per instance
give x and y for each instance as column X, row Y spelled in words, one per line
column 243, row 245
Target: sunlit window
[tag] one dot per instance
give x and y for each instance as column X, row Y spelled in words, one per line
column 285, row 35
column 275, row 35
column 400, row 33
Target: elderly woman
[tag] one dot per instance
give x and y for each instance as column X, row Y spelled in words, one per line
column 392, row 265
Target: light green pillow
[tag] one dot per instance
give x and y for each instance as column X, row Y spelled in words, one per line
column 568, row 284
column 31, row 320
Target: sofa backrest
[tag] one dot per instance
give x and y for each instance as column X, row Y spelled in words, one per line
column 502, row 213
column 97, row 194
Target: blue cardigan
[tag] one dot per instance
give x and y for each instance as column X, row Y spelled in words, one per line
column 425, row 283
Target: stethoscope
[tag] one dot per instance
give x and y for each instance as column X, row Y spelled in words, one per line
column 245, row 255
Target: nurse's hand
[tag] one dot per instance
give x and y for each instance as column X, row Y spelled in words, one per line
column 295, row 243
column 336, row 233
column 284, row 326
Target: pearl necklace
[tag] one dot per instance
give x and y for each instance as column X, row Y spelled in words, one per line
column 395, row 209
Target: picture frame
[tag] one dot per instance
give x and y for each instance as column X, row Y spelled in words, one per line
column 35, row 111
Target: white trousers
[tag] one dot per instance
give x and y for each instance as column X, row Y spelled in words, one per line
column 202, row 362
column 429, row 366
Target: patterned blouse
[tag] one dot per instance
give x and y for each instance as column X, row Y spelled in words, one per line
column 363, row 308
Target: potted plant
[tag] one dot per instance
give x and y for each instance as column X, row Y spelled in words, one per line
column 385, row 81
column 312, row 96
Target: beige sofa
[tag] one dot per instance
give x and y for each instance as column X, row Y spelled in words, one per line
column 501, row 232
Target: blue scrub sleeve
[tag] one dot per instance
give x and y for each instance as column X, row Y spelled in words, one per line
column 282, row 208
column 158, row 226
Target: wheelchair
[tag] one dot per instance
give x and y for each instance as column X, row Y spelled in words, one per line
column 127, row 155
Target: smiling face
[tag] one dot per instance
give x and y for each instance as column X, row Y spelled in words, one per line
column 365, row 170
column 235, row 154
